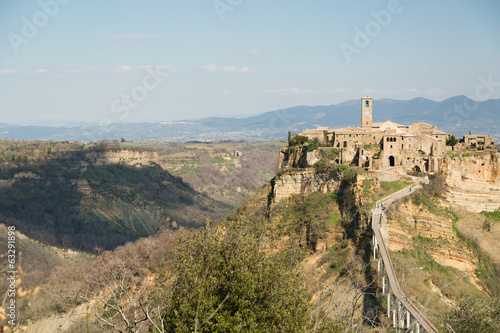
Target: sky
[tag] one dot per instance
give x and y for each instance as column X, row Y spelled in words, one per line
column 94, row 61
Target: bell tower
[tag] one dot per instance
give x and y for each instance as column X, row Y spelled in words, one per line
column 366, row 111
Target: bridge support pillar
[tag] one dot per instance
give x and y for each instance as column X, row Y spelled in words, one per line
column 408, row 319
column 401, row 323
column 383, row 279
column 394, row 311
column 378, row 262
column 388, row 300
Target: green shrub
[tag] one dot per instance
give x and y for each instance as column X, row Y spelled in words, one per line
column 282, row 172
column 495, row 215
column 394, row 186
column 324, row 165
column 422, row 241
column 331, row 153
column 301, row 140
column 336, row 263
column 312, row 144
column 475, row 314
column 298, row 140
column 225, row 282
column 334, row 219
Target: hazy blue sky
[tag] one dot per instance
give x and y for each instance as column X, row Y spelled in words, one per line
column 121, row 60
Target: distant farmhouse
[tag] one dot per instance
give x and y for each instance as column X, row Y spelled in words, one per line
column 419, row 147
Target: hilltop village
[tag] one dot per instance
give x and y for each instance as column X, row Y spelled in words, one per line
column 436, row 188
column 418, row 147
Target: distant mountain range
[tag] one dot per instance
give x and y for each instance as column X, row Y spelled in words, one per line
column 458, row 115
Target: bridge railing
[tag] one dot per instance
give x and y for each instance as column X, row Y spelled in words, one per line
column 419, row 319
column 415, row 319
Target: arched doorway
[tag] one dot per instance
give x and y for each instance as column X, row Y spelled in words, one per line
column 391, row 161
column 416, row 168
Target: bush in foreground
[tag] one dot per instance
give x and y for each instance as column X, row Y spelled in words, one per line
column 474, row 314
column 225, row 283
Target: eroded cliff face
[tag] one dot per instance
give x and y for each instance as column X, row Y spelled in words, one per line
column 410, row 221
column 302, row 182
column 297, row 157
column 481, row 167
column 474, row 181
column 412, row 226
column 348, row 186
column 129, row 157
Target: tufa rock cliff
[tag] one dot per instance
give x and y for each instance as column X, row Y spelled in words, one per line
column 129, row 157
column 411, row 224
column 302, row 182
column 298, row 157
column 474, row 181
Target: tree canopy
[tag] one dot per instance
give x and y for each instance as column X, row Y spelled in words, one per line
column 225, row 283
column 451, row 141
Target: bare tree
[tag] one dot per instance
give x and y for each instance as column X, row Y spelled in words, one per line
column 120, row 287
column 342, row 299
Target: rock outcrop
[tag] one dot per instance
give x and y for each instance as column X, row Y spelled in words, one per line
column 482, row 167
column 474, row 181
column 129, row 157
column 302, row 182
column 298, row 157
column 411, row 226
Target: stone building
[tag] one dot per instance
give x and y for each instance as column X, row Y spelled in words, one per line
column 419, row 147
column 475, row 141
column 237, row 153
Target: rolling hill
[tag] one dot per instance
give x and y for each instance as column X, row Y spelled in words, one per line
column 458, row 115
column 66, row 198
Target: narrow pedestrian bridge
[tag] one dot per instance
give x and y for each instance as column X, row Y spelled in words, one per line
column 405, row 315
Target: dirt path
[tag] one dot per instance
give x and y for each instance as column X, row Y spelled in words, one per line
column 59, row 323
